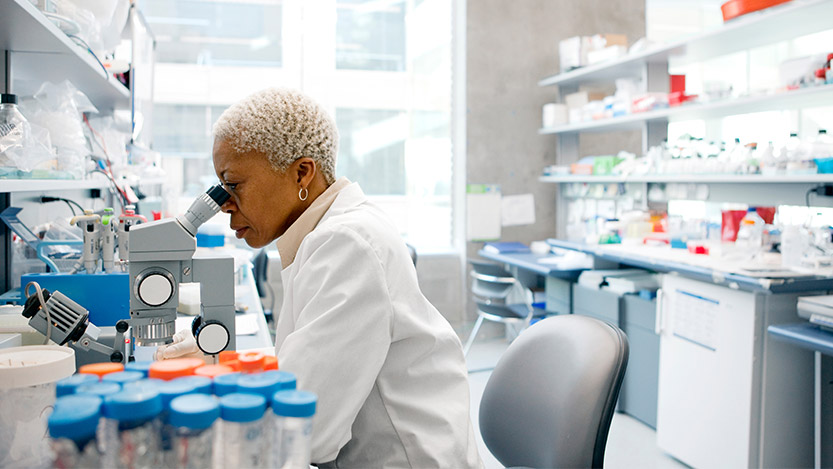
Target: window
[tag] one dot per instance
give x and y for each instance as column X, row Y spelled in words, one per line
column 382, row 68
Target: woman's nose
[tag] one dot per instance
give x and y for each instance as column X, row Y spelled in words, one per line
column 228, row 206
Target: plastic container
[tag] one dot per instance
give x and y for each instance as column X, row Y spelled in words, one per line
column 292, row 429
column 270, row 363
column 212, row 371
column 68, row 386
column 101, row 369
column 201, row 384
column 142, row 367
column 100, row 389
column 28, row 377
column 73, row 425
column 251, row 362
column 123, row 377
column 226, row 384
column 267, row 383
column 194, row 416
column 751, row 232
column 176, row 368
column 131, row 429
column 242, row 436
column 170, row 390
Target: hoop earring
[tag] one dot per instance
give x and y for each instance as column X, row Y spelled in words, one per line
column 303, row 191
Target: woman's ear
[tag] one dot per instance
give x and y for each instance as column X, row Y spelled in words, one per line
column 305, row 170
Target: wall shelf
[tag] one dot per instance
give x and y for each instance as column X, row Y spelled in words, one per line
column 802, row 98
column 42, row 52
column 695, row 179
column 779, row 23
column 43, row 185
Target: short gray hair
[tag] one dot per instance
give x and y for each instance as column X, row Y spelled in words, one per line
column 283, row 124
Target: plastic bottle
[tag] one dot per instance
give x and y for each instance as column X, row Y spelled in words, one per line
column 226, row 383
column 168, row 391
column 267, row 383
column 751, row 232
column 201, row 384
column 292, row 441
column 68, row 386
column 100, row 389
column 194, row 416
column 131, row 429
column 242, row 434
column 123, row 377
column 15, row 131
column 72, row 428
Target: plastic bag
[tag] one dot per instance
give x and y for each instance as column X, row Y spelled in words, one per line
column 24, row 145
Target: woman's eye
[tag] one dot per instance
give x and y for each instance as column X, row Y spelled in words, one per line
column 231, row 186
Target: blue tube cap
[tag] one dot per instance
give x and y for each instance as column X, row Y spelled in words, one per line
column 200, row 384
column 265, row 384
column 141, row 367
column 123, row 377
column 102, row 389
column 75, row 417
column 286, row 380
column 242, row 407
column 226, row 384
column 197, row 411
column 68, row 386
column 294, row 403
column 144, row 383
column 135, row 403
column 170, row 390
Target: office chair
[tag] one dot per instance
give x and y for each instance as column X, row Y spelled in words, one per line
column 499, row 298
column 551, row 397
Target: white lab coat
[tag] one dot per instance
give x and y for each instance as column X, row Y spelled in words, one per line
column 387, row 367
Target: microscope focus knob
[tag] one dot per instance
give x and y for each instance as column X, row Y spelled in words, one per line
column 212, row 336
column 154, row 288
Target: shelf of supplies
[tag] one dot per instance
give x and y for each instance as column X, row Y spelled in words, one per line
column 42, row 52
column 39, row 185
column 805, row 97
column 779, row 23
column 695, row 179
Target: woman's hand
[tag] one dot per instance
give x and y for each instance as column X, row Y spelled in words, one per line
column 184, row 345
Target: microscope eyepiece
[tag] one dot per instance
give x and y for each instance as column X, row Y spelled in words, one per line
column 218, row 194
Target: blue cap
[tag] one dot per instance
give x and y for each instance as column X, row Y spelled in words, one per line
column 242, row 407
column 68, row 386
column 264, row 384
column 144, row 383
column 75, row 417
column 286, row 379
column 169, row 390
column 199, row 383
column 294, row 403
column 122, row 377
column 141, row 367
column 226, row 384
column 102, row 389
column 194, row 411
column 135, row 403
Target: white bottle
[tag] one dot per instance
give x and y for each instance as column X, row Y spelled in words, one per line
column 242, row 435
column 15, row 133
column 292, row 445
column 751, row 232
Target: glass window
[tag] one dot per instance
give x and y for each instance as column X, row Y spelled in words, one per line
column 184, row 130
column 216, row 33
column 370, row 35
column 372, row 149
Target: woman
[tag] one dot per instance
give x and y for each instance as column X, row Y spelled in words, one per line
column 354, row 327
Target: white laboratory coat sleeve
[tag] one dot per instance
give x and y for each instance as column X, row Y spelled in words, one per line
column 338, row 329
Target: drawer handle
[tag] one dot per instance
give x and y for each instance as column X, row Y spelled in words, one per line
column 658, row 323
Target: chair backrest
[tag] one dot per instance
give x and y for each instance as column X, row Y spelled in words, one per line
column 490, row 282
column 551, row 397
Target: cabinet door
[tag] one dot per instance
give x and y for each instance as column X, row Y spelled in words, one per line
column 706, row 374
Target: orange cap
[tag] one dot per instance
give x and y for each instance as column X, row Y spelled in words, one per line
column 227, row 356
column 251, row 362
column 101, row 369
column 210, row 371
column 233, row 364
column 170, row 369
column 270, row 362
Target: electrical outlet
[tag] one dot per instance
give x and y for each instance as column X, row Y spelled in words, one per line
column 95, row 193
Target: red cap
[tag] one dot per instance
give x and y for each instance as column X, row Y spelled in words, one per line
column 251, row 362
column 227, row 356
column 170, row 369
column 820, row 73
column 829, row 57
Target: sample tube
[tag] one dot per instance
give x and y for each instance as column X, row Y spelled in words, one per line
column 194, row 416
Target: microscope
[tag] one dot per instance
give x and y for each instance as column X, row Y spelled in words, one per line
column 161, row 257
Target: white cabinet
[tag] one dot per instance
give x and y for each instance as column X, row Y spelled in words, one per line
column 728, row 395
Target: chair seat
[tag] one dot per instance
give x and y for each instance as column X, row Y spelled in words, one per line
column 516, row 311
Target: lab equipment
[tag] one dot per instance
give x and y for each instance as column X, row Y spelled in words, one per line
column 131, row 429
column 817, row 309
column 105, row 297
column 90, row 223
column 126, row 220
column 161, row 257
column 292, row 444
column 28, row 377
column 72, row 428
column 194, row 416
column 108, row 240
column 65, row 321
column 170, row 390
column 68, row 386
column 242, row 433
